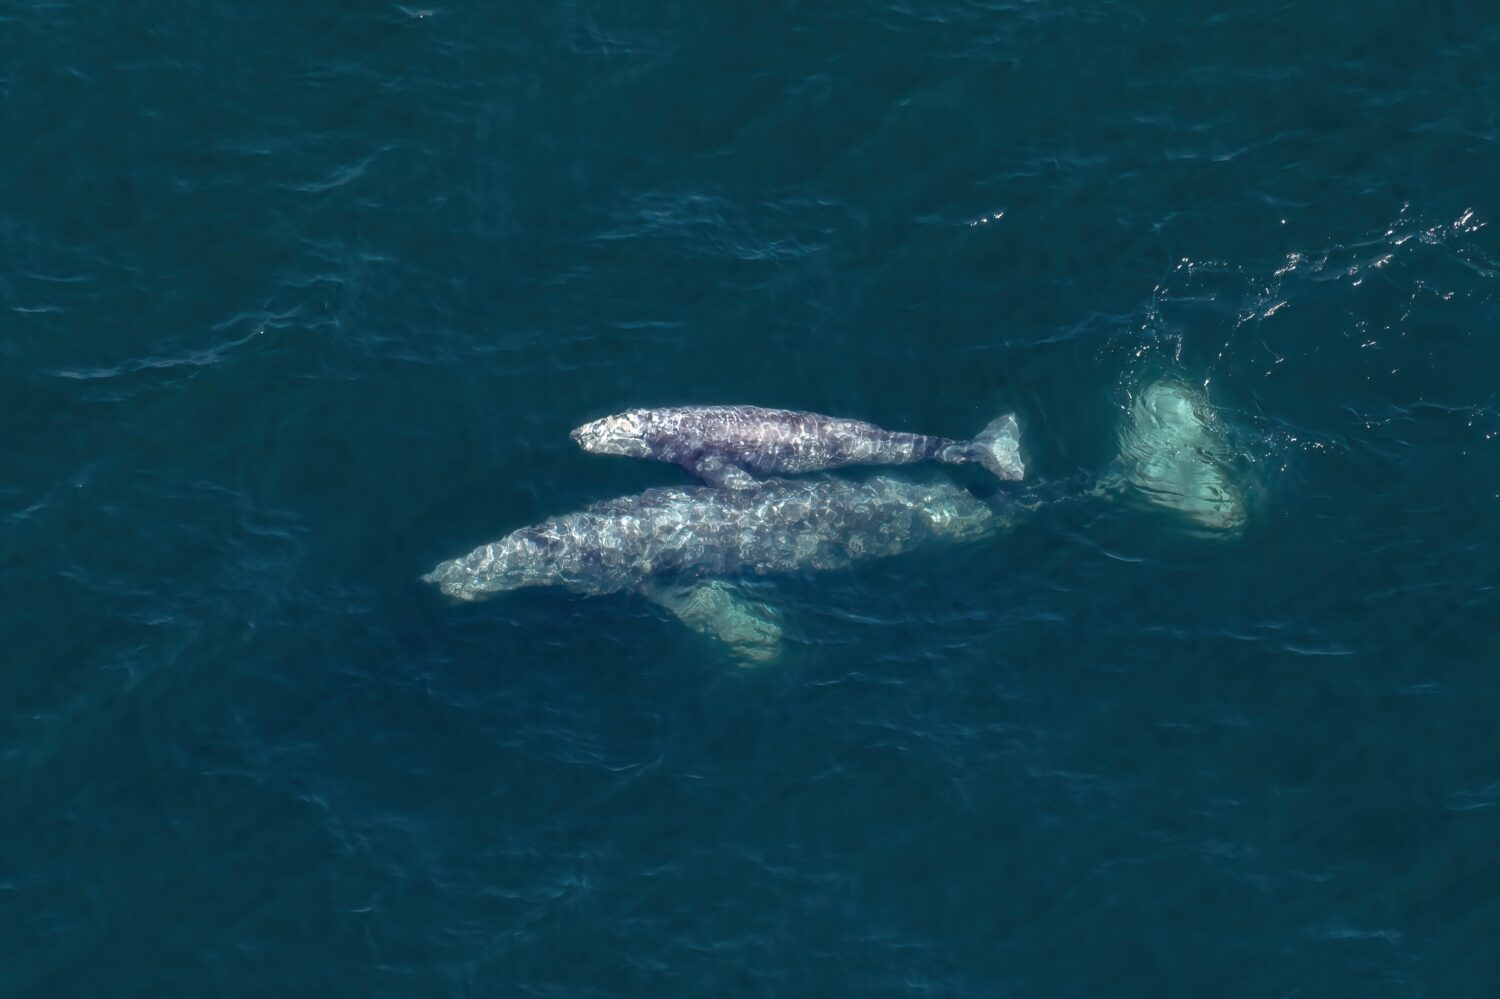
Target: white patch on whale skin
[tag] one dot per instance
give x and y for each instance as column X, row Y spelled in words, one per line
column 622, row 434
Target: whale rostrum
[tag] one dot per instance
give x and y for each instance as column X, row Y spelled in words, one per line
column 734, row 445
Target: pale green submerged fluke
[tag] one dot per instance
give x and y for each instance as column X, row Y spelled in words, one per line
column 1176, row 452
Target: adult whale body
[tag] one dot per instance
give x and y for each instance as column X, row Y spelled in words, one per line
column 781, row 525
column 733, row 445
column 680, row 546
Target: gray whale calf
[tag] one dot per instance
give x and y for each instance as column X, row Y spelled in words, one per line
column 733, row 445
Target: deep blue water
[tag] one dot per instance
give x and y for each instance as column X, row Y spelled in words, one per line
column 298, row 299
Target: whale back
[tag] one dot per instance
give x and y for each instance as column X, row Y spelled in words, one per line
column 701, row 532
column 767, row 442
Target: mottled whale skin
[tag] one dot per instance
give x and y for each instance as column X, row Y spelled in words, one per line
column 702, row 532
column 734, row 445
column 682, row 548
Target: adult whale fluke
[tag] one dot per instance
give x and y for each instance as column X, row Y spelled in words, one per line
column 733, row 445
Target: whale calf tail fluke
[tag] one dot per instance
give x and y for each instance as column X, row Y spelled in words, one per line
column 997, row 448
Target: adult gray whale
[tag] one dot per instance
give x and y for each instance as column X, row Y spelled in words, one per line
column 733, row 445
column 680, row 546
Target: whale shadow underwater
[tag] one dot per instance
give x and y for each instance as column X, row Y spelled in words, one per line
column 686, row 548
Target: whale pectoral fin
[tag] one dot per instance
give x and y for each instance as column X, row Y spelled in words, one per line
column 722, row 611
column 719, row 471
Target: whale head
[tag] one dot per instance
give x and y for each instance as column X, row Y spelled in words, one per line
column 528, row 557
column 624, row 434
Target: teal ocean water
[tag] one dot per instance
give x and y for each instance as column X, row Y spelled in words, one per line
column 299, row 299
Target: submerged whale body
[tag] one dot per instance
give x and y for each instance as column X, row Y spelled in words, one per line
column 733, row 445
